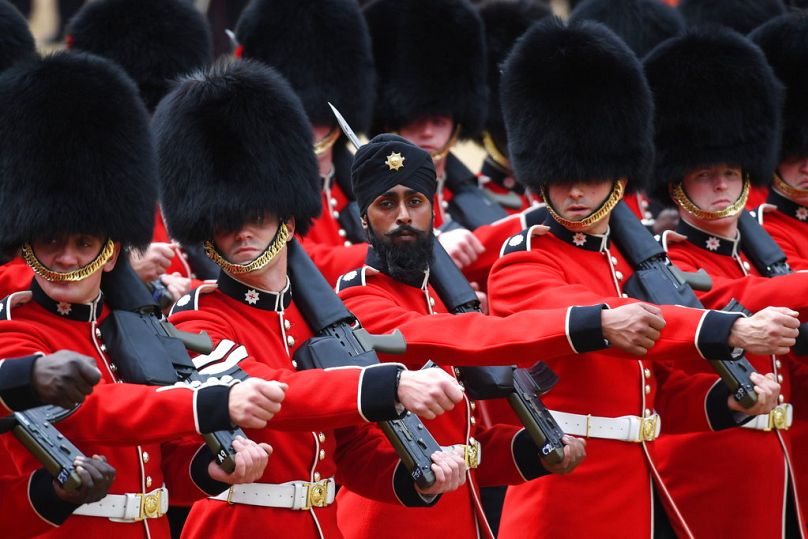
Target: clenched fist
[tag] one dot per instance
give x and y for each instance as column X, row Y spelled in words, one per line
column 429, row 392
column 251, row 460
column 254, row 402
column 96, row 478
column 771, row 331
column 64, row 378
column 633, row 328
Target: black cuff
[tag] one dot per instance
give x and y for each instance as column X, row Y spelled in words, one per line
column 404, row 487
column 212, row 408
column 45, row 501
column 200, row 476
column 16, row 389
column 377, row 393
column 719, row 414
column 713, row 335
column 526, row 456
column 801, row 347
column 585, row 330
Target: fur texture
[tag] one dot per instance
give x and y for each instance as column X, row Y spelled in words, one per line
column 234, row 142
column 741, row 15
column 322, row 47
column 16, row 41
column 576, row 106
column 504, row 21
column 784, row 41
column 642, row 24
column 430, row 59
column 155, row 41
column 75, row 152
column 717, row 101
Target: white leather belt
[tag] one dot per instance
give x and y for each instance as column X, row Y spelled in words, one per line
column 297, row 495
column 127, row 507
column 779, row 418
column 627, row 428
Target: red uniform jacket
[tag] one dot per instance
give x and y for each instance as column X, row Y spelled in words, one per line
column 509, row 456
column 15, row 275
column 500, row 185
column 126, row 423
column 260, row 331
column 609, row 494
column 763, row 458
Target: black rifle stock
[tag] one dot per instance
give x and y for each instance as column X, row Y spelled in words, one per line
column 340, row 341
column 657, row 281
column 522, row 387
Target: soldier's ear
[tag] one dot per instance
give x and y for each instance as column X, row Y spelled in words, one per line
column 364, row 218
column 290, row 224
column 110, row 265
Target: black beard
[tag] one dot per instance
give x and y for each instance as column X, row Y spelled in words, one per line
column 405, row 262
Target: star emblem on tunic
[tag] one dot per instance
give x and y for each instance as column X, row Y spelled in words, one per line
column 579, row 239
column 251, row 297
column 63, row 308
column 395, row 161
column 713, row 243
column 802, row 213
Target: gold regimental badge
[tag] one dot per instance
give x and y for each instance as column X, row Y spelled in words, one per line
column 395, row 161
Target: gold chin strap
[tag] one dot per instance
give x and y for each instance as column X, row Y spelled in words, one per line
column 605, row 209
column 322, row 145
column 265, row 258
column 788, row 190
column 497, row 156
column 67, row 276
column 679, row 196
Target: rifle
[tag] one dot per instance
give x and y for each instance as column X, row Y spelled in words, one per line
column 522, row 387
column 340, row 340
column 151, row 351
column 470, row 206
column 657, row 281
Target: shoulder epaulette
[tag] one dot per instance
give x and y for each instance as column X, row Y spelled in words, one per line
column 762, row 210
column 534, row 216
column 11, row 301
column 352, row 278
column 670, row 236
column 190, row 301
column 521, row 242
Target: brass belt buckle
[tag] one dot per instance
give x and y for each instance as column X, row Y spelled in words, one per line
column 472, row 454
column 648, row 429
column 778, row 419
column 317, row 494
column 150, row 505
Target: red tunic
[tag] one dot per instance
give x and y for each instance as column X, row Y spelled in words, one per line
column 129, row 424
column 383, row 304
column 720, row 458
column 609, row 494
column 15, row 275
column 500, row 185
column 260, row 331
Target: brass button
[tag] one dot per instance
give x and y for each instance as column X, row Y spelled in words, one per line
column 148, row 481
column 347, row 244
column 473, row 405
column 333, row 201
column 145, row 457
column 287, row 324
column 113, row 367
column 624, row 295
column 619, row 275
column 472, row 441
column 316, row 476
column 647, row 389
column 746, row 265
column 97, row 333
column 646, row 373
column 431, row 301
column 290, row 340
column 779, row 378
column 294, row 363
column 103, row 347
column 342, row 233
column 444, row 205
column 614, row 260
column 322, row 454
column 321, row 437
column 781, row 399
column 778, row 364
column 647, row 412
column 335, row 214
column 472, row 420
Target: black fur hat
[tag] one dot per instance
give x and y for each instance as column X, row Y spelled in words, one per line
column 430, row 59
column 504, row 21
column 784, row 41
column 642, row 24
column 717, row 101
column 155, row 41
column 322, row 47
column 234, row 142
column 576, row 106
column 76, row 155
column 16, row 41
column 741, row 15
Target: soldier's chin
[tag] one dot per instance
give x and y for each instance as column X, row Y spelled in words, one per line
column 69, row 291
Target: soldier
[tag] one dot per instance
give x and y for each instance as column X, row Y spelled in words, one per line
column 327, row 59
column 557, row 81
column 154, row 54
column 79, row 183
column 238, row 173
column 708, row 154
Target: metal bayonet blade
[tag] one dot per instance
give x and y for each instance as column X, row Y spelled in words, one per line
column 345, row 127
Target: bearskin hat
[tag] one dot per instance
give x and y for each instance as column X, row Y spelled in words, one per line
column 717, row 101
column 75, row 152
column 232, row 143
column 642, row 24
column 430, row 59
column 16, row 41
column 784, row 41
column 322, row 47
column 155, row 41
column 504, row 21
column 576, row 106
column 741, row 15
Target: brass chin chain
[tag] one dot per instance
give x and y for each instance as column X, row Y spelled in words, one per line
column 440, row 153
column 788, row 190
column 322, row 145
column 679, row 196
column 605, row 209
column 493, row 152
column 266, row 257
column 67, row 276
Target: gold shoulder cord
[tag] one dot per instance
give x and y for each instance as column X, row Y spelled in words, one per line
column 322, row 145
column 265, row 258
column 679, row 196
column 497, row 156
column 608, row 205
column 67, row 276
column 788, row 190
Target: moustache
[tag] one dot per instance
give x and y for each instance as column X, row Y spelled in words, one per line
column 405, row 229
